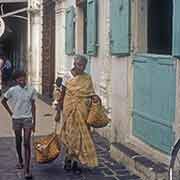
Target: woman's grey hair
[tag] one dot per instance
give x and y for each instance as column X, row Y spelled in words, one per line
column 81, row 57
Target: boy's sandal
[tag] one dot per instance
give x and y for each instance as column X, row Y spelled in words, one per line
column 28, row 176
column 19, row 166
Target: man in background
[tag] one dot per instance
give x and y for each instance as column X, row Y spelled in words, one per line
column 5, row 70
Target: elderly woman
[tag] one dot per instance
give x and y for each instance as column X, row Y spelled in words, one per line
column 77, row 94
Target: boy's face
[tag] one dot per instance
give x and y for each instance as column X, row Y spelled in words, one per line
column 21, row 81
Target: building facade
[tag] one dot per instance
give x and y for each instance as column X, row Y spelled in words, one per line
column 133, row 47
column 133, row 59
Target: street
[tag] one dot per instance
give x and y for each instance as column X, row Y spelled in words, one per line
column 108, row 169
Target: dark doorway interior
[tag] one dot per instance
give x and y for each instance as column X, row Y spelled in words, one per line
column 160, row 26
column 14, row 40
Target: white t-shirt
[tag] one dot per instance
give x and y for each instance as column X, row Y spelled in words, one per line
column 20, row 100
column 67, row 77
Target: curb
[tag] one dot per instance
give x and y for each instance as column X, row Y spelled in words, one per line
column 142, row 165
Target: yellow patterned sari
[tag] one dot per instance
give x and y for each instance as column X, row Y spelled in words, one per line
column 75, row 133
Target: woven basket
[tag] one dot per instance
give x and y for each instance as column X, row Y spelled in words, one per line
column 97, row 117
column 47, row 148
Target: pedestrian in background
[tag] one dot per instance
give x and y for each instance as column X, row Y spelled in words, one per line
column 19, row 101
column 7, row 70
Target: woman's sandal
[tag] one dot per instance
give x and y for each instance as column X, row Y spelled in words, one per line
column 76, row 169
column 28, row 176
column 68, row 165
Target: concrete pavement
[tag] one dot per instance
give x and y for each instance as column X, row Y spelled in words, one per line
column 108, row 169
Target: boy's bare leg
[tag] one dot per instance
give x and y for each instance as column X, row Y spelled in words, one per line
column 27, row 151
column 18, row 136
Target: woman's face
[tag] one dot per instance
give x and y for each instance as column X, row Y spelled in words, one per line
column 79, row 66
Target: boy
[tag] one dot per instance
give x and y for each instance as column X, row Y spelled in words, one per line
column 21, row 99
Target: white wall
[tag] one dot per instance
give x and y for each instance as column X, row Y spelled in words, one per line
column 35, row 48
column 177, row 118
column 120, row 116
column 36, row 56
column 60, row 39
column 101, row 65
column 63, row 62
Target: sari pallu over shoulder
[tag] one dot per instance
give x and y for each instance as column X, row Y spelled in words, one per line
column 80, row 86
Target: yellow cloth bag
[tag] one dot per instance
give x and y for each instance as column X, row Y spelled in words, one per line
column 97, row 117
column 47, row 148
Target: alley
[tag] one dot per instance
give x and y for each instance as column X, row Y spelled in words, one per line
column 108, row 169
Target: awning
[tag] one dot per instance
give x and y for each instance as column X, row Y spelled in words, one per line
column 34, row 8
column 13, row 1
column 14, row 12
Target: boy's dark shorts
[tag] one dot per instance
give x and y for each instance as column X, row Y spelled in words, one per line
column 22, row 123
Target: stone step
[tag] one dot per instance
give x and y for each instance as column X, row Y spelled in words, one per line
column 140, row 164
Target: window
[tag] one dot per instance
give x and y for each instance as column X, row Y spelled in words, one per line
column 70, row 31
column 119, row 27
column 160, row 13
column 85, row 28
column 91, row 27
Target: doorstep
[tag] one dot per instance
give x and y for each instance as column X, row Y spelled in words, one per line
column 140, row 164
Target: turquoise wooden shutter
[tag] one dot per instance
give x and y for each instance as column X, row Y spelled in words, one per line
column 70, row 31
column 176, row 29
column 120, row 26
column 91, row 27
column 154, row 100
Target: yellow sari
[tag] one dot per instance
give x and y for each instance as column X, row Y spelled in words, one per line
column 75, row 133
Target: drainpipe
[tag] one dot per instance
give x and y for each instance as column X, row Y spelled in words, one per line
column 29, row 49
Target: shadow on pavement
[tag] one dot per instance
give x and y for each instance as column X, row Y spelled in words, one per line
column 108, row 169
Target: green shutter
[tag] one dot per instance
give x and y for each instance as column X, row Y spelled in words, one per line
column 70, row 31
column 91, row 27
column 154, row 100
column 176, row 29
column 120, row 27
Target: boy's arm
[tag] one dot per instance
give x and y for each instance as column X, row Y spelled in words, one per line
column 34, row 114
column 6, row 106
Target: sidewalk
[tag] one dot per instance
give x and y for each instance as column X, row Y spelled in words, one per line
column 108, row 169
